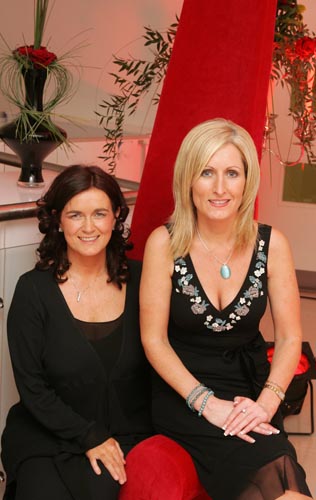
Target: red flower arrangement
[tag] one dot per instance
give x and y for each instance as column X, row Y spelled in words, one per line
column 24, row 63
column 305, row 47
column 38, row 57
column 294, row 64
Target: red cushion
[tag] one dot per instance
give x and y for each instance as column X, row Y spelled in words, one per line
column 303, row 364
column 160, row 469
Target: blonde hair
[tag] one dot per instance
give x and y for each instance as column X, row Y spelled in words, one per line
column 197, row 148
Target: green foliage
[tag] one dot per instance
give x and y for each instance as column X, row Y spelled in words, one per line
column 134, row 79
column 294, row 64
column 39, row 21
column 288, row 20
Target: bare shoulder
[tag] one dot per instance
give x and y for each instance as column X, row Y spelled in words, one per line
column 280, row 254
column 158, row 241
column 157, row 249
column 160, row 235
column 279, row 242
column 158, row 261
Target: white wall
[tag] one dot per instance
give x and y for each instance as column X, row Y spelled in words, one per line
column 297, row 221
column 114, row 27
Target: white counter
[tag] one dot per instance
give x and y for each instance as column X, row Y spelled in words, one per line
column 11, row 193
column 24, row 231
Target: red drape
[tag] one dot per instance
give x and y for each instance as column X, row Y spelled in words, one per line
column 220, row 67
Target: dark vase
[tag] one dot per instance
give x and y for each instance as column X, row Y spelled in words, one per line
column 32, row 150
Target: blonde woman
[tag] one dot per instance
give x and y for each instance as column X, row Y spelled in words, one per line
column 207, row 277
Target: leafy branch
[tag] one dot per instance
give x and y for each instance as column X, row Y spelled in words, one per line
column 134, row 79
column 294, row 67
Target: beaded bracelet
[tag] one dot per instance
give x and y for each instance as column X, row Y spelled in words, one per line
column 276, row 389
column 194, row 395
column 193, row 400
column 209, row 393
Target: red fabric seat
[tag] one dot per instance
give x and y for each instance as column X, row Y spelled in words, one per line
column 297, row 390
column 160, row 469
column 303, row 364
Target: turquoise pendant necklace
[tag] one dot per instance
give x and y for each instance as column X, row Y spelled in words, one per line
column 225, row 270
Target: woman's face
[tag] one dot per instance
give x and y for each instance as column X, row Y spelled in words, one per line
column 217, row 193
column 87, row 221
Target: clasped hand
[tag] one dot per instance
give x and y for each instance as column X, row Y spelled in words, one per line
column 239, row 417
column 111, row 456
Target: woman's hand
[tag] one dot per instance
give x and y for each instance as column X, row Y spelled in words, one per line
column 228, row 415
column 217, row 411
column 111, row 456
column 248, row 415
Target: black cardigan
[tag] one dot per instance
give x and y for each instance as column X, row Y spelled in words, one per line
column 61, row 380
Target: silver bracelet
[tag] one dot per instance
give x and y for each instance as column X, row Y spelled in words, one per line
column 194, row 394
column 209, row 393
column 193, row 400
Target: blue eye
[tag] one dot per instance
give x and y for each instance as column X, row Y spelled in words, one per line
column 233, row 173
column 207, row 172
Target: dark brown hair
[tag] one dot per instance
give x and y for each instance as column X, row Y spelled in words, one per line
column 53, row 247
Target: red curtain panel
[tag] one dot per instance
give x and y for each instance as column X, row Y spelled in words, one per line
column 220, row 67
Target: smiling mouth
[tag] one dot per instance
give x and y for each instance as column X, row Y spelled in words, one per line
column 219, row 203
column 88, row 238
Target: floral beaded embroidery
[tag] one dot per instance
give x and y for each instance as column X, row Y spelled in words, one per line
column 198, row 306
column 243, row 305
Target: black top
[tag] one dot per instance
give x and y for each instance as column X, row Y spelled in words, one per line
column 61, row 377
column 105, row 338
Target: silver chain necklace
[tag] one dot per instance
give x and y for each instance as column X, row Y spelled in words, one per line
column 81, row 292
column 225, row 270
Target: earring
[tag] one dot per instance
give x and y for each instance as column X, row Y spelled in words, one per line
column 60, row 230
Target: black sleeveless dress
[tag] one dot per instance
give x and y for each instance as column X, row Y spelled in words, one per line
column 226, row 351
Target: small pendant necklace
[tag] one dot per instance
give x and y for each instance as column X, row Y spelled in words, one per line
column 225, row 270
column 81, row 292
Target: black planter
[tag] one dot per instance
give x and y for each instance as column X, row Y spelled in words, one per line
column 33, row 149
column 31, row 153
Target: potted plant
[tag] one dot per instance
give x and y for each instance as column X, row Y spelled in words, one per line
column 25, row 74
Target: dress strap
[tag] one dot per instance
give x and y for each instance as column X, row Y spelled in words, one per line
column 264, row 233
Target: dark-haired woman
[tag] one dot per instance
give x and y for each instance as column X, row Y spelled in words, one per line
column 75, row 348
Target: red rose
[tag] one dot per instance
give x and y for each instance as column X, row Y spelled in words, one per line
column 290, row 54
column 39, row 57
column 305, row 47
